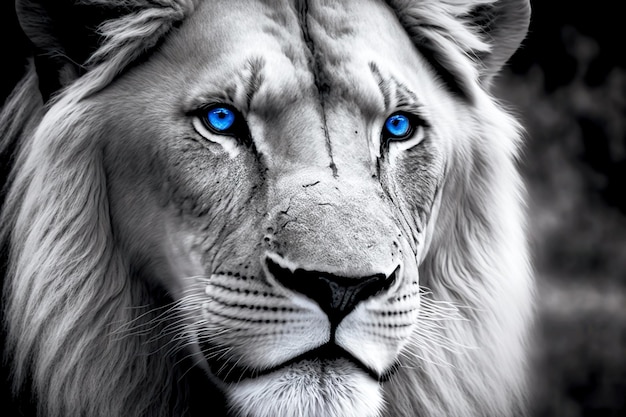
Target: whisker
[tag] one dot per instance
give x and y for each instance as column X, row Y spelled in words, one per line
column 432, row 338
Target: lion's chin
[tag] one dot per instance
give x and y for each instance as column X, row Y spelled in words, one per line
column 309, row 388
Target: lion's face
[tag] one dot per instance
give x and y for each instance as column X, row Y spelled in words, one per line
column 293, row 239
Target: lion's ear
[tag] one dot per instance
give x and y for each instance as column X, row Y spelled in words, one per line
column 64, row 35
column 448, row 32
column 503, row 25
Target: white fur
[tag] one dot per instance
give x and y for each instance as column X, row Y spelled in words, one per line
column 299, row 391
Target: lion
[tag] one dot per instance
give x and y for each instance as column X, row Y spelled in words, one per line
column 266, row 209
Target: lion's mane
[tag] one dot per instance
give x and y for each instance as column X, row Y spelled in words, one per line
column 68, row 288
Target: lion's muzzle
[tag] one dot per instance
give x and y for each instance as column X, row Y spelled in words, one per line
column 336, row 295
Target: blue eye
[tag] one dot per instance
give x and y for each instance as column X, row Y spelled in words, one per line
column 220, row 119
column 224, row 120
column 398, row 126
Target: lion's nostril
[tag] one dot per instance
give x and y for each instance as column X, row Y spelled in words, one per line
column 336, row 295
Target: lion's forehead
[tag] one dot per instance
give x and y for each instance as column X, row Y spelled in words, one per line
column 302, row 50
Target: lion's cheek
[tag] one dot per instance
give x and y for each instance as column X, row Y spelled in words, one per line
column 308, row 389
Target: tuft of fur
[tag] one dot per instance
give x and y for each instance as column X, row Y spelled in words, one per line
column 67, row 288
column 69, row 291
column 478, row 266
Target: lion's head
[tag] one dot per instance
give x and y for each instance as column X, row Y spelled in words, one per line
column 310, row 208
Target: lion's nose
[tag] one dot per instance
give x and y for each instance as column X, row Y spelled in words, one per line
column 337, row 296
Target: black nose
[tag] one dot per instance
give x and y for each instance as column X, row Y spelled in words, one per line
column 336, row 295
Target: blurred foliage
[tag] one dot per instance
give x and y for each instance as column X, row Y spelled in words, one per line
column 568, row 85
column 580, row 368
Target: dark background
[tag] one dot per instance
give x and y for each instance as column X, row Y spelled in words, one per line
column 568, row 85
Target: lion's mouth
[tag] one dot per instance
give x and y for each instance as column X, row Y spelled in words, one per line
column 324, row 359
